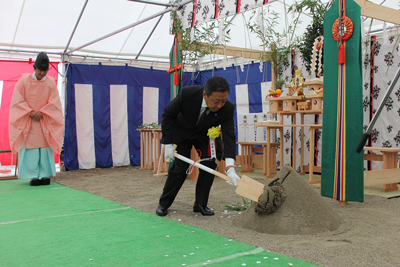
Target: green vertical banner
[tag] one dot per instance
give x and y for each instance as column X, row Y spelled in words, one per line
column 175, row 69
column 342, row 175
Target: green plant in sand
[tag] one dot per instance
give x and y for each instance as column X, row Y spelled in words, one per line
column 239, row 206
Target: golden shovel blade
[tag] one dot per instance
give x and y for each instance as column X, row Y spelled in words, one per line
column 249, row 188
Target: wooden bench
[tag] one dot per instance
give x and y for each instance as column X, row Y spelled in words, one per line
column 311, row 167
column 390, row 175
column 147, row 155
column 248, row 160
column 16, row 163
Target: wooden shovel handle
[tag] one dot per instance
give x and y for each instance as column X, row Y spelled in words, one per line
column 201, row 166
column 246, row 187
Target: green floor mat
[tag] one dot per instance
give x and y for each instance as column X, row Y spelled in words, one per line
column 59, row 226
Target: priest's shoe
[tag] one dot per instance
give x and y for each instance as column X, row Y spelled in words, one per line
column 44, row 181
column 34, row 182
column 161, row 211
column 205, row 211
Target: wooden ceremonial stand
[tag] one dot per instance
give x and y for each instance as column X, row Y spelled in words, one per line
column 310, row 104
column 146, row 149
column 311, row 166
column 161, row 168
column 390, row 175
column 16, row 165
column 249, row 161
column 151, row 152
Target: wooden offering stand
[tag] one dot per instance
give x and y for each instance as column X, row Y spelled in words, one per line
column 16, row 166
column 315, row 85
column 275, row 104
column 312, row 101
column 304, row 105
column 315, row 101
column 310, row 104
column 283, row 103
column 314, row 94
column 290, row 102
column 147, row 155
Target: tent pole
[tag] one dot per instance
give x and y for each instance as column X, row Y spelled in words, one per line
column 367, row 133
column 131, row 25
column 148, row 38
column 79, row 55
column 19, row 20
column 76, row 26
column 151, row 2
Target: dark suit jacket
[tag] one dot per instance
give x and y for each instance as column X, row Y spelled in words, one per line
column 180, row 117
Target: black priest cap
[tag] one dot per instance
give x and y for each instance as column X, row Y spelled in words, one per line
column 42, row 61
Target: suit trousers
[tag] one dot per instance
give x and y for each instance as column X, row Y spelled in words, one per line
column 177, row 174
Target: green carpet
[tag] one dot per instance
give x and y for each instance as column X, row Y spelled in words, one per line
column 58, row 226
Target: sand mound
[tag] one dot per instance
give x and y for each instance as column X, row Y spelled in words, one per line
column 303, row 211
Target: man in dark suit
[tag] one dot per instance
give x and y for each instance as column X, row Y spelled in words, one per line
column 183, row 125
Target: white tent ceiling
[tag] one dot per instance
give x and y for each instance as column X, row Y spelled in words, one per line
column 29, row 26
column 48, row 25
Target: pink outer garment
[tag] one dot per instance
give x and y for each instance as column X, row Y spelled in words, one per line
column 32, row 95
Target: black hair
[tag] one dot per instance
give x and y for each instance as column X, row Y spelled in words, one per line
column 216, row 84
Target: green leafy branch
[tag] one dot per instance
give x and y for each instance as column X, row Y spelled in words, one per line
column 272, row 40
column 153, row 125
column 205, row 39
column 317, row 9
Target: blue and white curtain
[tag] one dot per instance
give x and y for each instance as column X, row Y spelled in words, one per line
column 106, row 104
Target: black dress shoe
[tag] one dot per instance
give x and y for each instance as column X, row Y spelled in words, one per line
column 34, row 182
column 160, row 211
column 205, row 211
column 44, row 181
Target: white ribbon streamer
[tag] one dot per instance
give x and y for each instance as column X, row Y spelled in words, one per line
column 213, row 148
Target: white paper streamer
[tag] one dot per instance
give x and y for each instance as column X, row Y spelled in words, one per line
column 200, row 60
column 212, row 148
column 241, row 64
column 224, row 60
column 317, row 68
column 192, row 34
column 362, row 28
column 221, row 33
column 259, row 17
column 385, row 34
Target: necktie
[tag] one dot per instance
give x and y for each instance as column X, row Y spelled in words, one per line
column 202, row 117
